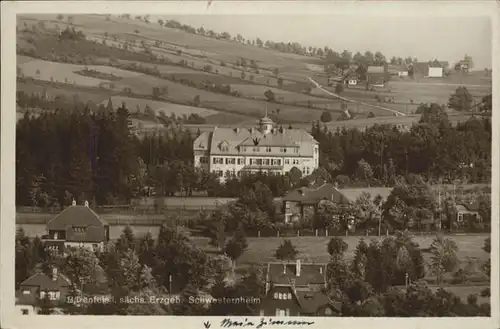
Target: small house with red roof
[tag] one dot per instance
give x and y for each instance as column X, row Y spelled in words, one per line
column 76, row 226
column 40, row 285
column 296, row 289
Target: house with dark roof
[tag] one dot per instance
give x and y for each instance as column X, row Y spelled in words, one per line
column 420, row 69
column 296, row 289
column 40, row 285
column 76, row 226
column 301, row 203
column 397, row 70
column 462, row 65
column 468, row 213
column 376, row 75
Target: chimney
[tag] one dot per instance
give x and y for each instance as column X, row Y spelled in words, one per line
column 73, row 203
column 86, row 203
column 54, row 274
column 297, row 267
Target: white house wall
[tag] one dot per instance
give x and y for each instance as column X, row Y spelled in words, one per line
column 435, row 72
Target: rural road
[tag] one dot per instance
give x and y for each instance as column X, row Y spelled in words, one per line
column 353, row 101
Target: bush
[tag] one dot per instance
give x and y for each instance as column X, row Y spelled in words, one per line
column 486, row 292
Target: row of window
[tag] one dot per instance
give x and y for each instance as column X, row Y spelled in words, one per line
column 270, row 149
column 53, row 295
column 279, row 295
column 253, row 161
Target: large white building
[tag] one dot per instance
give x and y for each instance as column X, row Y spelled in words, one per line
column 228, row 152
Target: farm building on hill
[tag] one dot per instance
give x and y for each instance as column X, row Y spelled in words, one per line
column 230, row 152
column 397, row 70
column 435, row 72
column 376, row 75
column 351, row 79
column 420, row 69
column 462, row 65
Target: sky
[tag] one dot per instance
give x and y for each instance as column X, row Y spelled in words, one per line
column 444, row 38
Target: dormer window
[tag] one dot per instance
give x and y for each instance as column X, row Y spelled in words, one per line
column 224, row 146
column 79, row 229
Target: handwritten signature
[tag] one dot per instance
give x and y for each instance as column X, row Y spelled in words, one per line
column 228, row 323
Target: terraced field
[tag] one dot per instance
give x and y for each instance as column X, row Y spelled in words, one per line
column 157, row 106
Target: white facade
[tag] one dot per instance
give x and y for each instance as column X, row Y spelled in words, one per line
column 353, row 82
column 435, row 72
column 229, row 152
column 403, row 73
column 92, row 246
column 26, row 309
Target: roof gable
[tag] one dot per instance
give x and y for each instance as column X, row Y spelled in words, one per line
column 375, row 69
column 280, row 273
column 305, row 194
column 45, row 282
column 75, row 215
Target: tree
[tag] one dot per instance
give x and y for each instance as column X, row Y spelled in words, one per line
column 487, row 265
column 130, row 270
column 236, row 246
column 360, row 260
column 215, row 228
column 337, row 247
column 443, row 256
column 179, row 259
column 403, row 259
column 339, row 88
column 326, row 215
column 81, row 266
column 461, row 99
column 364, row 172
column 126, row 241
column 410, row 204
column 146, row 250
column 196, row 100
column 326, row 116
column 280, row 83
column 368, row 210
column 286, row 251
column 433, row 114
column 270, row 96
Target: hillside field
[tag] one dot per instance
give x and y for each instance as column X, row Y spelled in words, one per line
column 191, row 60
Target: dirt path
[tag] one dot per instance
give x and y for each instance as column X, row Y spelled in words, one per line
column 358, row 102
